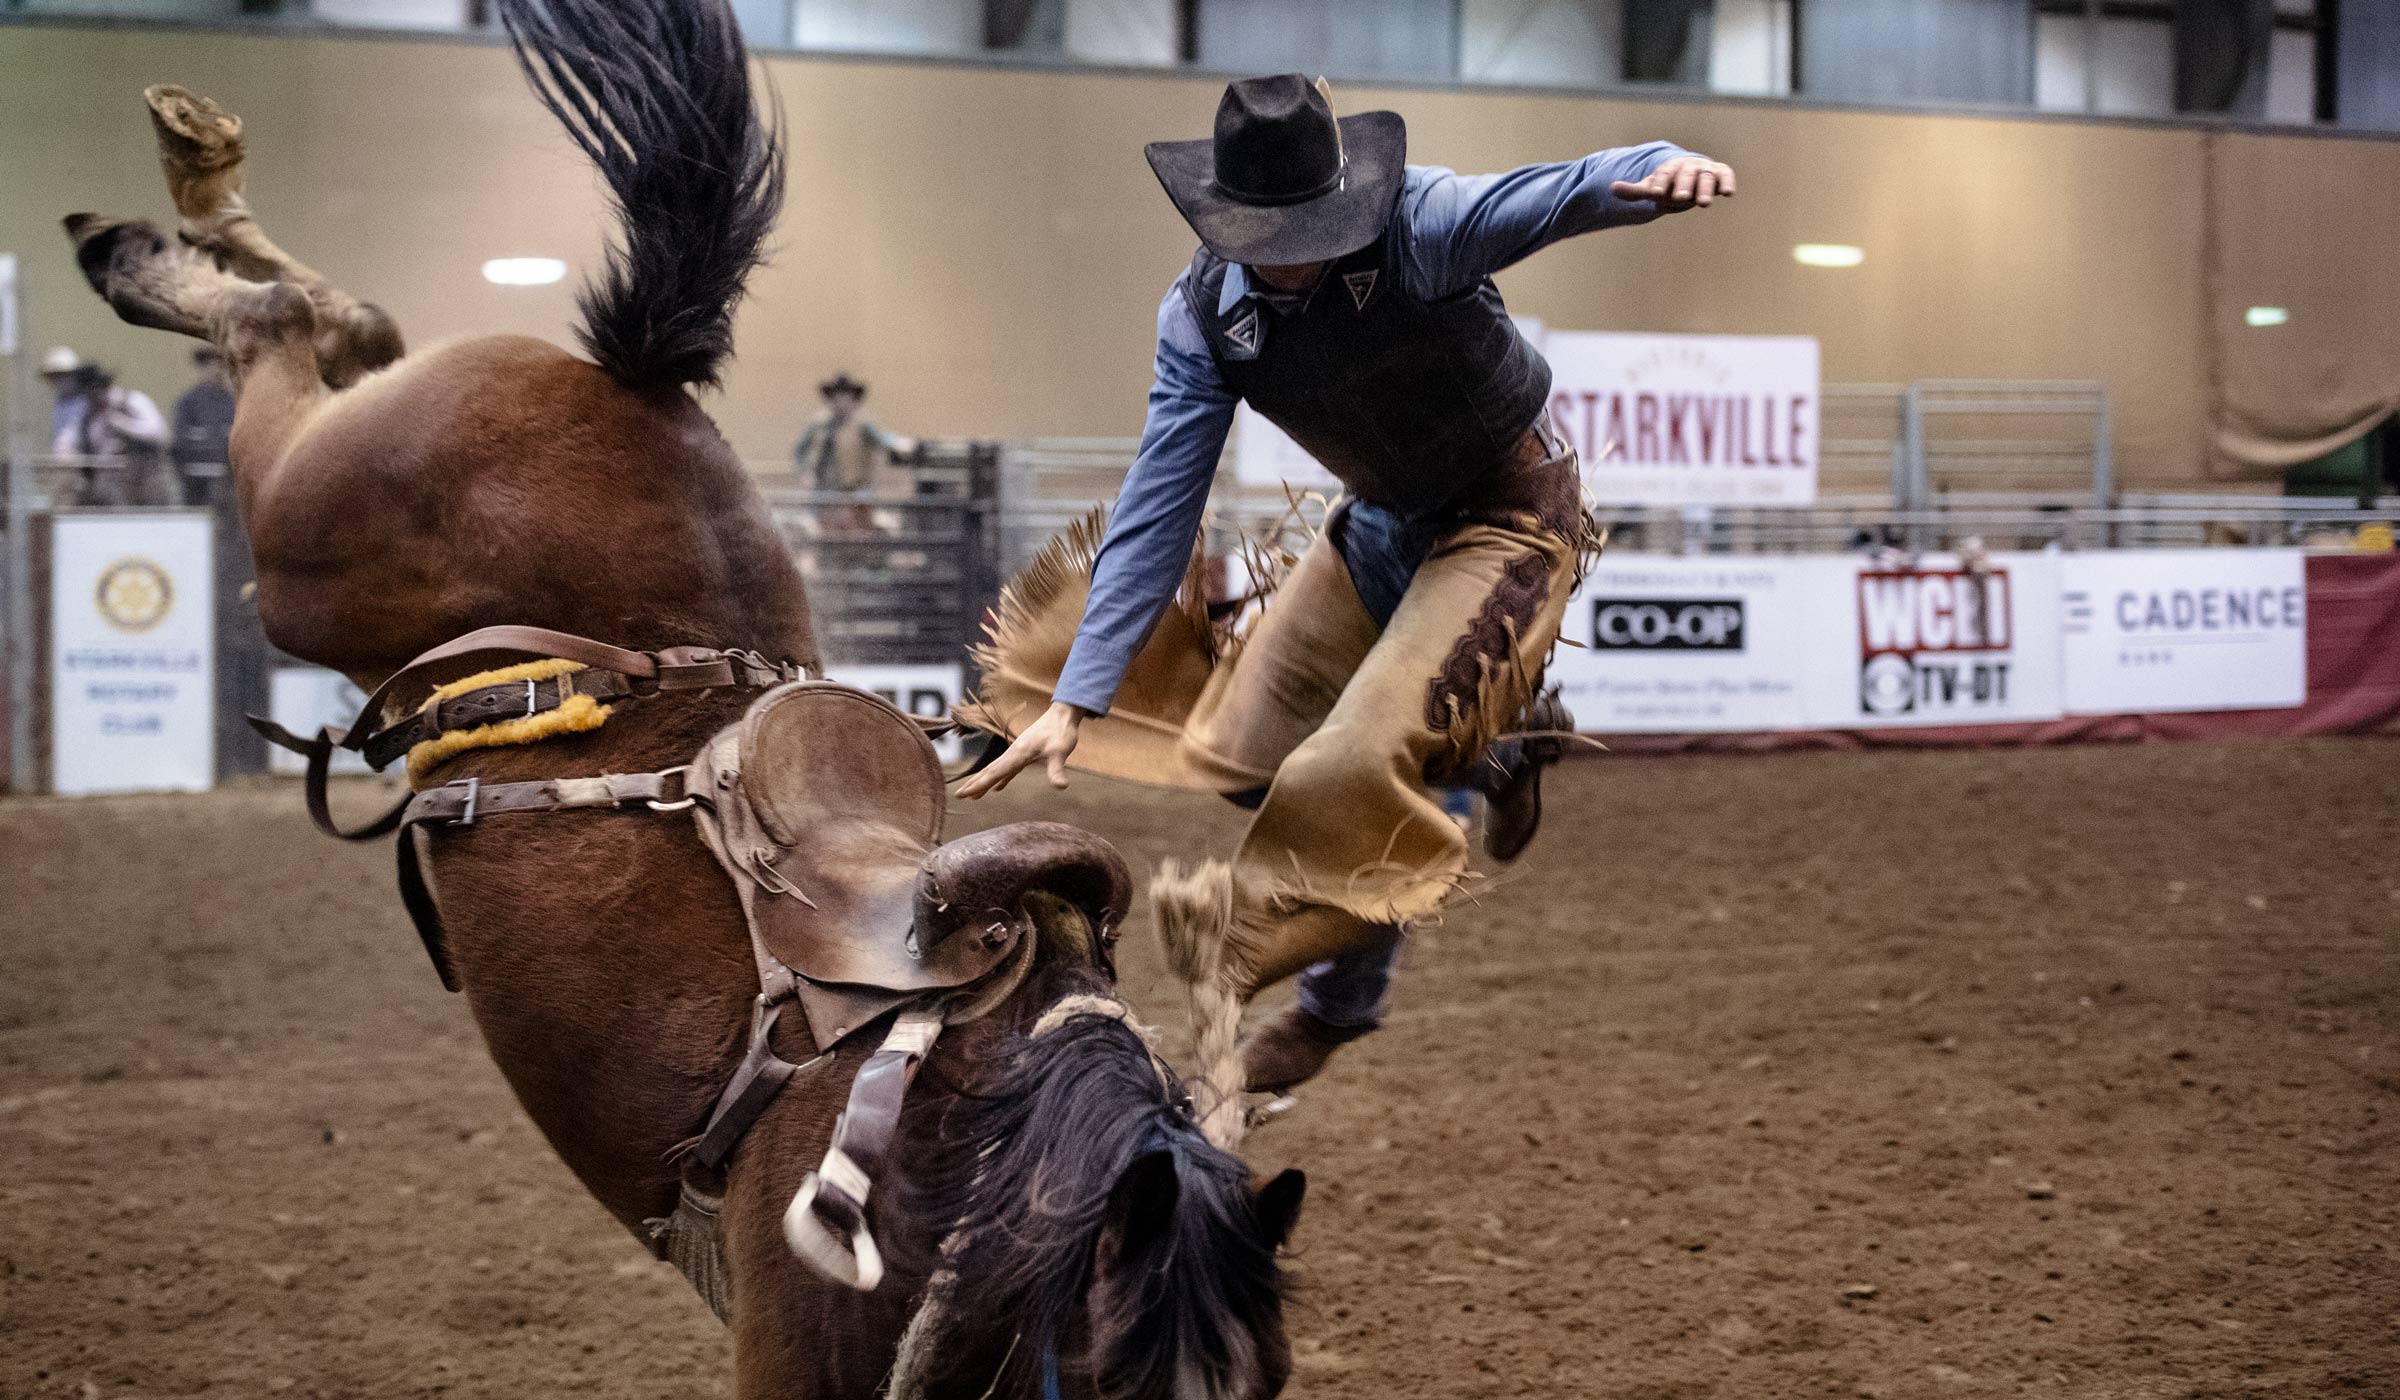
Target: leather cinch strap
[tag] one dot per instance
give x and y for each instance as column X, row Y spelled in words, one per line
column 614, row 672
column 754, row 1085
column 491, row 704
column 669, row 668
column 470, row 800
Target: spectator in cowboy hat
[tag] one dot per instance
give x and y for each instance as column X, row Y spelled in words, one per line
column 1347, row 296
column 118, row 439
column 62, row 370
column 840, row 450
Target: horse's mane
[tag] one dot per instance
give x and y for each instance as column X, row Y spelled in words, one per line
column 1044, row 1162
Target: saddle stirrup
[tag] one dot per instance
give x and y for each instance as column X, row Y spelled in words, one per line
column 826, row 1224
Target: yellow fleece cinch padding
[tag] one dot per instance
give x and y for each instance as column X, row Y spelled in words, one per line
column 578, row 714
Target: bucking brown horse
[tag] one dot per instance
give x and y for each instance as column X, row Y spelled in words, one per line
column 1049, row 1190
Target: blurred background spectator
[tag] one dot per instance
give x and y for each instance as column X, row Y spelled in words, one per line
column 203, row 429
column 62, row 371
column 841, row 451
column 115, row 437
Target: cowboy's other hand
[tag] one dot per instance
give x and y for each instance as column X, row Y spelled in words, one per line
column 1046, row 741
column 1683, row 183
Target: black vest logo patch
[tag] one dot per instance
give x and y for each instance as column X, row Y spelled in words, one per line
column 1361, row 285
column 1242, row 335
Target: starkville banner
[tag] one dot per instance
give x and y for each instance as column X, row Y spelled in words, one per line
column 1688, row 420
column 1659, row 420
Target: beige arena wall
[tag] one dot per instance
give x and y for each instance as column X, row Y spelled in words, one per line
column 987, row 248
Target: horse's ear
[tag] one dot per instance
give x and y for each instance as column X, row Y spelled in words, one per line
column 1277, row 1203
column 1141, row 1206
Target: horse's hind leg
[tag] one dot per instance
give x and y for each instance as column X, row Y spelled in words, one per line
column 268, row 331
column 200, row 149
column 147, row 277
column 269, row 334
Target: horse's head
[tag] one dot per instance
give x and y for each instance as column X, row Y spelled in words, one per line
column 1100, row 1242
column 1187, row 1297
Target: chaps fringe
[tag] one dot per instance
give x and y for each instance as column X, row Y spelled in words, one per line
column 1023, row 616
column 1194, row 910
column 1032, row 626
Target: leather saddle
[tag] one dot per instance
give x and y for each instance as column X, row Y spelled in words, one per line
column 825, row 805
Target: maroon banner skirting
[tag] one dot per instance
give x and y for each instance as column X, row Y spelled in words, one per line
column 2353, row 687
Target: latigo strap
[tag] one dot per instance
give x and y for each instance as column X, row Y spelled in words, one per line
column 612, row 672
column 491, row 704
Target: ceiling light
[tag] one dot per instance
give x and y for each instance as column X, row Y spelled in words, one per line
column 524, row 272
column 2266, row 315
column 1828, row 255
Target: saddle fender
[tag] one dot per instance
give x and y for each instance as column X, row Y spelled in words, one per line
column 825, row 804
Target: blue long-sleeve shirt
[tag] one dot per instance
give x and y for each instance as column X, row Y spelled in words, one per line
column 1457, row 230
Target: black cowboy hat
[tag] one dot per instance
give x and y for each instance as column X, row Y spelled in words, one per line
column 842, row 383
column 1282, row 181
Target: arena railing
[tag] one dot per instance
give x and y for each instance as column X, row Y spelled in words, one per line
column 1928, row 465
column 899, row 575
column 2144, row 521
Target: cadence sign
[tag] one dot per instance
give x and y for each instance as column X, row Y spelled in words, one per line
column 1667, row 624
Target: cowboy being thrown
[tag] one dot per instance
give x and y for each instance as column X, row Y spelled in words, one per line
column 1346, row 296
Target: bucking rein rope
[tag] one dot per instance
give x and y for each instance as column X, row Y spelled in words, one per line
column 562, row 693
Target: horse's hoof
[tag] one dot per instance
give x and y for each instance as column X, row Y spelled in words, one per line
column 104, row 245
column 1273, row 1110
column 192, row 129
column 82, row 228
column 200, row 149
column 136, row 268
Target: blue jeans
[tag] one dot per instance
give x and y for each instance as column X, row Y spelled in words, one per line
column 1382, row 550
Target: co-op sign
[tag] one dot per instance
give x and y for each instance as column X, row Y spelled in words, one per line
column 1667, row 624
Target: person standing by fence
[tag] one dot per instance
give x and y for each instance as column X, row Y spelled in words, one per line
column 118, row 439
column 203, row 429
column 841, row 451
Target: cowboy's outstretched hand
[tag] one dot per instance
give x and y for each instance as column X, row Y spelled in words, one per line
column 1047, row 741
column 1685, row 182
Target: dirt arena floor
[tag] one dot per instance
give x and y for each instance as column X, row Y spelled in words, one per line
column 2064, row 1072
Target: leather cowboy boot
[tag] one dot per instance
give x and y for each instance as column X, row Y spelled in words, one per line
column 1290, row 1050
column 1513, row 777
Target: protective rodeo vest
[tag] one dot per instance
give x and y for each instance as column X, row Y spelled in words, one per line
column 1408, row 402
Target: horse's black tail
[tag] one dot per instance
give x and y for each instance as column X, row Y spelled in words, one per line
column 657, row 93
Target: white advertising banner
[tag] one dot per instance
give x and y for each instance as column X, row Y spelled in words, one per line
column 305, row 699
column 1682, row 420
column 1674, row 645
column 133, row 638
column 1942, row 642
column 927, row 691
column 2153, row 631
